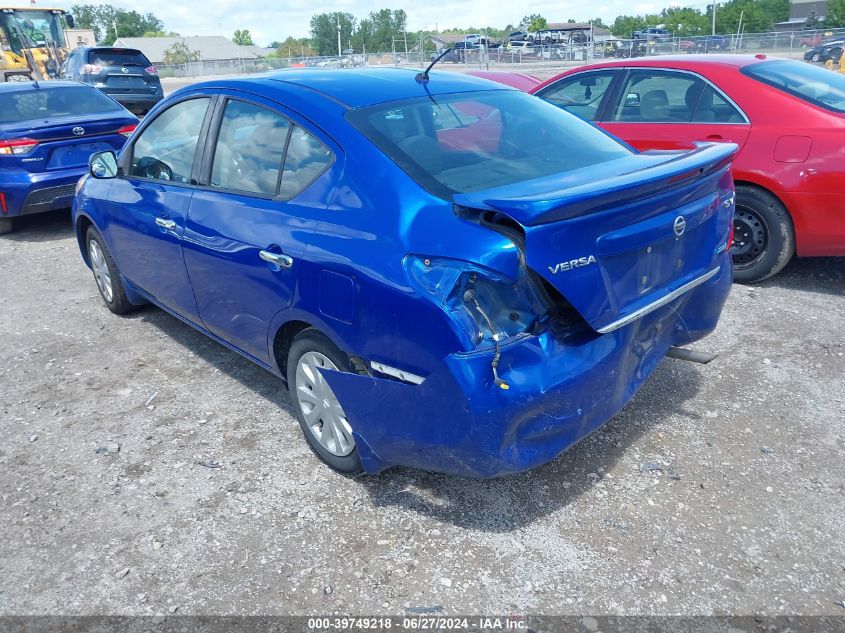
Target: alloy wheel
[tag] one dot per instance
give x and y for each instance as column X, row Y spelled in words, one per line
column 322, row 412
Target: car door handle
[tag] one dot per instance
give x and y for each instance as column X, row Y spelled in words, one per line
column 714, row 137
column 276, row 258
column 165, row 223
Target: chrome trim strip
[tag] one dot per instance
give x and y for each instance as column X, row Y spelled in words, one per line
column 397, row 373
column 651, row 307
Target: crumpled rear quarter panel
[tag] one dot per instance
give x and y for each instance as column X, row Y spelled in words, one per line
column 457, row 421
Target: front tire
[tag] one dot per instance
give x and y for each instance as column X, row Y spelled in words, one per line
column 764, row 238
column 816, row 57
column 106, row 274
column 317, row 409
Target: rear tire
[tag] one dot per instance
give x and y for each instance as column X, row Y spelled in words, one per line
column 5, row 226
column 764, row 238
column 317, row 409
column 106, row 274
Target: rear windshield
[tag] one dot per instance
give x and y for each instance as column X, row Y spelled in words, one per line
column 45, row 102
column 810, row 83
column 117, row 58
column 472, row 141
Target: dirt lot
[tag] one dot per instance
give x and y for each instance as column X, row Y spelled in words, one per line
column 719, row 489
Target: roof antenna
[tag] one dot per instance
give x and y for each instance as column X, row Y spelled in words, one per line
column 423, row 76
column 35, row 83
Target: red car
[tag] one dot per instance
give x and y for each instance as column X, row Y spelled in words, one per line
column 787, row 117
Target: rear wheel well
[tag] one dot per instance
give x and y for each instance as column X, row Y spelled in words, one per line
column 284, row 339
column 753, row 185
column 82, row 225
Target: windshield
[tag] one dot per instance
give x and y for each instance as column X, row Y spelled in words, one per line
column 811, row 83
column 472, row 141
column 47, row 102
column 26, row 28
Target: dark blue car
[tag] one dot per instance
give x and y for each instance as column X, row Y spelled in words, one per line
column 47, row 133
column 449, row 274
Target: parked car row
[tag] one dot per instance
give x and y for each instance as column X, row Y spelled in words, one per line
column 830, row 50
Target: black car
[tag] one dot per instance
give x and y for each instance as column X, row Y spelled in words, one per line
column 124, row 74
column 824, row 52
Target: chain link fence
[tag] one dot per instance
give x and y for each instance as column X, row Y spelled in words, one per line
column 796, row 44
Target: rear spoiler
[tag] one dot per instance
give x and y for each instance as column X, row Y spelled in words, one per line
column 561, row 197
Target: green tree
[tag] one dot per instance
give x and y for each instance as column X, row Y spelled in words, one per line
column 294, row 47
column 324, row 31
column 162, row 34
column 597, row 22
column 243, row 38
column 835, row 14
column 758, row 16
column 102, row 19
column 684, row 21
column 179, row 53
column 377, row 31
column 625, row 25
column 532, row 23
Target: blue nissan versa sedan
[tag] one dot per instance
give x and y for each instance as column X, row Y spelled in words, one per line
column 47, row 133
column 449, row 274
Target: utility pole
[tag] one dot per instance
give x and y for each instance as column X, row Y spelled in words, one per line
column 339, row 54
column 714, row 18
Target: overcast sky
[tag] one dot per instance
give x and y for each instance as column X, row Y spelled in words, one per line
column 270, row 20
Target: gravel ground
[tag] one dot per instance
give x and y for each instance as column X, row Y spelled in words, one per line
column 147, row 469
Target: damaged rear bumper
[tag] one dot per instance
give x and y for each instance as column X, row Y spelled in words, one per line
column 457, row 421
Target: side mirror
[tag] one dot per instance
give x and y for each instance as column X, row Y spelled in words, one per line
column 69, row 19
column 103, row 165
column 632, row 100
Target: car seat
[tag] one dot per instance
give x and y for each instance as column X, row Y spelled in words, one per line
column 654, row 106
column 424, row 151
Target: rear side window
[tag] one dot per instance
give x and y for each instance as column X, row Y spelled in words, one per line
column 305, row 160
column 117, row 58
column 250, row 149
column 166, row 147
column 658, row 97
column 46, row 102
column 813, row 84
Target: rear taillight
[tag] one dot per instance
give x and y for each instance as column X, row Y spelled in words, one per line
column 3, row 206
column 17, row 146
column 151, row 70
column 127, row 130
column 91, row 69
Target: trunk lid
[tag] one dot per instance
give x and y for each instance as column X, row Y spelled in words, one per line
column 59, row 147
column 621, row 239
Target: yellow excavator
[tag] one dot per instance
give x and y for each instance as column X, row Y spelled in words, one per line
column 33, row 44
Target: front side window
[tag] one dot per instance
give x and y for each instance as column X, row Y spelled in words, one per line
column 658, row 97
column 810, row 83
column 464, row 142
column 165, row 149
column 250, row 148
column 580, row 94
